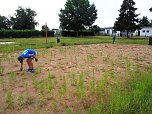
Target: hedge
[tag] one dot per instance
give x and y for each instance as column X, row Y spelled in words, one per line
column 24, row 33
column 73, row 33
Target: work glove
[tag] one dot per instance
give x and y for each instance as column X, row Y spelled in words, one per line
column 36, row 59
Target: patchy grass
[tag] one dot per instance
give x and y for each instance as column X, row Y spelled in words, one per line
column 35, row 43
column 98, row 78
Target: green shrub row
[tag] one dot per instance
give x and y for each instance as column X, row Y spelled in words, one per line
column 24, row 33
column 74, row 34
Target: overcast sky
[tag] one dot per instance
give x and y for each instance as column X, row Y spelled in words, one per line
column 48, row 10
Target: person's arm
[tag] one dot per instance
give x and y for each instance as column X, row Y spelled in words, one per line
column 32, row 55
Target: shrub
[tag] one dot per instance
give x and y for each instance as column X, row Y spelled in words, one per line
column 24, row 33
column 74, row 34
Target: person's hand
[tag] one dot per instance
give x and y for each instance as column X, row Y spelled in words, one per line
column 36, row 59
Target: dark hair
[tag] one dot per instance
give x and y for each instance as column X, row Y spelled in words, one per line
column 20, row 58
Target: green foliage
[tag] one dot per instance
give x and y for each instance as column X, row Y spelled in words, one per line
column 12, row 76
column 95, row 28
column 112, row 108
column 9, row 99
column 81, row 90
column 150, row 9
column 68, row 111
column 63, row 88
column 139, row 99
column 127, row 20
column 34, row 43
column 92, row 83
column 23, row 33
column 50, row 84
column 74, row 34
column 128, row 65
column 74, row 79
column 42, row 90
column 4, row 22
column 2, row 82
column 21, row 100
column 144, row 22
column 24, row 19
column 1, row 70
column 35, row 82
column 77, row 15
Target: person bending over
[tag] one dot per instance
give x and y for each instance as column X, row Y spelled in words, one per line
column 28, row 54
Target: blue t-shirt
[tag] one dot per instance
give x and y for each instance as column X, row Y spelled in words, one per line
column 26, row 53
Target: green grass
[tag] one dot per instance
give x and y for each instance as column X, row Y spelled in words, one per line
column 35, row 43
column 132, row 98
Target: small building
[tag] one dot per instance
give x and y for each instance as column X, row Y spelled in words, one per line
column 56, row 31
column 108, row 31
column 146, row 31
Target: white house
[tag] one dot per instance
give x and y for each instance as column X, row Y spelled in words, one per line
column 146, row 31
column 108, row 31
column 57, row 31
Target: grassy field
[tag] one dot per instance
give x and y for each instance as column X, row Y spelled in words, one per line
column 85, row 79
column 24, row 43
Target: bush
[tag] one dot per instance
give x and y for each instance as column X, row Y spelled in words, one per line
column 74, row 34
column 23, row 33
column 49, row 33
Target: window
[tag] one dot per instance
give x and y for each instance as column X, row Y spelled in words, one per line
column 143, row 31
column 147, row 30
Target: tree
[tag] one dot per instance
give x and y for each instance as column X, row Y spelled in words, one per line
column 150, row 9
column 127, row 20
column 44, row 27
column 4, row 22
column 24, row 19
column 144, row 22
column 150, row 20
column 77, row 15
column 95, row 28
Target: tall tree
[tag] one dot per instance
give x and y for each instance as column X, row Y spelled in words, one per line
column 44, row 27
column 4, row 22
column 151, row 20
column 128, row 20
column 144, row 22
column 77, row 15
column 24, row 19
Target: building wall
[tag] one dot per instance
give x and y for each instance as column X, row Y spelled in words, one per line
column 146, row 31
column 108, row 31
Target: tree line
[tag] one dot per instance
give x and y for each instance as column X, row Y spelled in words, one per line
column 21, row 20
column 78, row 15
column 128, row 20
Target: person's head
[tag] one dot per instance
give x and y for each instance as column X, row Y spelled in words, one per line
column 20, row 59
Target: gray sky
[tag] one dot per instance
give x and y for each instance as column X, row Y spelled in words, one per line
column 48, row 10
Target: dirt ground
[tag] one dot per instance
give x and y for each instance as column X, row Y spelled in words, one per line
column 60, row 62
